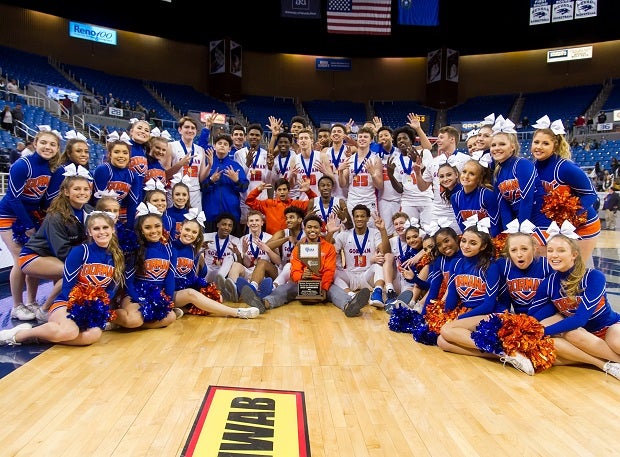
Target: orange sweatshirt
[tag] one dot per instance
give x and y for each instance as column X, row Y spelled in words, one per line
column 273, row 208
column 328, row 265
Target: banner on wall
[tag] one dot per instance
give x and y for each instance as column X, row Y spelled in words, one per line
column 236, row 59
column 452, row 65
column 540, row 12
column 301, row 9
column 585, row 8
column 433, row 66
column 217, row 56
column 562, row 10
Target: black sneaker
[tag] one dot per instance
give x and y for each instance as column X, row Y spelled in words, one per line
column 356, row 303
column 249, row 296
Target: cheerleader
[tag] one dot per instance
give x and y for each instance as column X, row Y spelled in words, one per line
column 572, row 304
column 150, row 280
column 521, row 272
column 139, row 135
column 515, row 182
column 155, row 194
column 115, row 175
column 446, row 251
column 475, row 197
column 93, row 266
column 76, row 153
column 157, row 149
column 188, row 286
column 44, row 254
column 179, row 204
column 21, row 213
column 556, row 170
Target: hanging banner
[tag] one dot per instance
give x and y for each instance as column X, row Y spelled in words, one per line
column 540, row 12
column 563, row 10
column 585, row 8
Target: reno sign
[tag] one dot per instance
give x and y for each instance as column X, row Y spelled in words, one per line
column 92, row 33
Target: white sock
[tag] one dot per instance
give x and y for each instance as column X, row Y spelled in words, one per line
column 254, row 284
column 389, row 286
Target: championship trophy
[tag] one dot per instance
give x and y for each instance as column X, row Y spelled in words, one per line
column 309, row 290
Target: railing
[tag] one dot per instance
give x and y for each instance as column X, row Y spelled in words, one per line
column 4, row 182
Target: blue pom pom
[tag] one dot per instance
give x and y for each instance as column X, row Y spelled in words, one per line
column 19, row 232
column 154, row 305
column 485, row 336
column 401, row 320
column 421, row 332
column 90, row 314
column 127, row 238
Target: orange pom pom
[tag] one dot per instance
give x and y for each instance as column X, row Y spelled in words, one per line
column 560, row 205
column 211, row 291
column 524, row 334
column 499, row 241
column 436, row 316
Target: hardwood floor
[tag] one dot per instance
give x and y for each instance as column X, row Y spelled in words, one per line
column 369, row 391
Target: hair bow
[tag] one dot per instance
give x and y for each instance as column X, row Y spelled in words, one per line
column 73, row 135
column 197, row 215
column 146, row 208
column 567, row 229
column 489, row 120
column 482, row 225
column 503, row 125
column 133, row 120
column 126, row 138
column 545, row 123
column 472, row 132
column 72, row 170
column 431, row 228
column 180, row 178
column 412, row 222
column 156, row 133
column 524, row 227
column 113, row 136
column 97, row 212
column 106, row 193
column 482, row 158
column 47, row 128
column 154, row 184
column 444, row 222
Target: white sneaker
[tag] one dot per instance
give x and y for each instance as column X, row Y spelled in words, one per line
column 110, row 326
column 178, row 312
column 22, row 313
column 520, row 362
column 40, row 314
column 7, row 337
column 247, row 313
column 612, row 368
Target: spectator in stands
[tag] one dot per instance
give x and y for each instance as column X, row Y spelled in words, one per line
column 525, row 122
column 3, row 93
column 615, row 165
column 67, row 104
column 6, row 118
column 579, row 125
column 13, row 88
column 29, row 149
column 602, row 117
column 18, row 116
column 16, row 152
column 608, row 181
column 610, row 205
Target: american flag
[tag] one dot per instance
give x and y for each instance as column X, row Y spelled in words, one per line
column 360, row 17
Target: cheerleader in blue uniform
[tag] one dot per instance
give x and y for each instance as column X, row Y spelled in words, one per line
column 189, row 287
column 76, row 152
column 475, row 197
column 521, row 271
column 114, row 175
column 179, row 194
column 572, row 304
column 446, row 251
column 556, row 170
column 44, row 254
column 517, row 186
column 21, row 213
column 150, row 279
column 139, row 135
column 93, row 271
column 157, row 148
column 156, row 196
